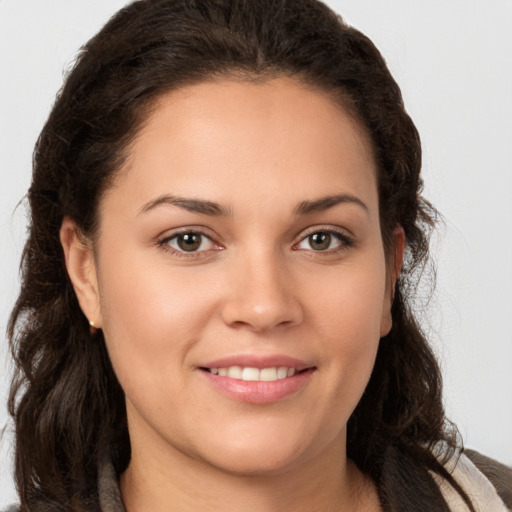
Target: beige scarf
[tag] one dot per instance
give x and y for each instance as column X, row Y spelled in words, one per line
column 477, row 486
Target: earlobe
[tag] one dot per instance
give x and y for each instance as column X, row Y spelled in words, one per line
column 81, row 268
column 394, row 269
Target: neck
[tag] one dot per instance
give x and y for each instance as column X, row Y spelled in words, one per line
column 162, row 480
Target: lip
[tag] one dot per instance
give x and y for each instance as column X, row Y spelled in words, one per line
column 258, row 392
column 258, row 361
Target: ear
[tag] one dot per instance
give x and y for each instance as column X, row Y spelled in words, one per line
column 395, row 262
column 81, row 267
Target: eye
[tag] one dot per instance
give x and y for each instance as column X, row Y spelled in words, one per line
column 189, row 241
column 324, row 241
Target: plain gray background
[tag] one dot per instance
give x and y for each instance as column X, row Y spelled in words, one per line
column 453, row 61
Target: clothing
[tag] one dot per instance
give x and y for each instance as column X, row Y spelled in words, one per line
column 108, row 490
column 464, row 468
column 482, row 492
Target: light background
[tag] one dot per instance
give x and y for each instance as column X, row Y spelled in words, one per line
column 453, row 61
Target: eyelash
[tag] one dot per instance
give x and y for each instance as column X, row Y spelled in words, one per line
column 164, row 244
column 345, row 242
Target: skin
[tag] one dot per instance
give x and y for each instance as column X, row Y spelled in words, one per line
column 257, row 285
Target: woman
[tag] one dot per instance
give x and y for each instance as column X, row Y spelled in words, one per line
column 214, row 313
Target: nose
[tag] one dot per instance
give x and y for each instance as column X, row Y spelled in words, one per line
column 261, row 294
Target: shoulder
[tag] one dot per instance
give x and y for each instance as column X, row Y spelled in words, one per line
column 488, row 483
column 497, row 473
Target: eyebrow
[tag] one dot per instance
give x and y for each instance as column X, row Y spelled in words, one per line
column 324, row 203
column 192, row 205
column 205, row 207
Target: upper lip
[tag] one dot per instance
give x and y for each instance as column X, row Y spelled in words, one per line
column 258, row 361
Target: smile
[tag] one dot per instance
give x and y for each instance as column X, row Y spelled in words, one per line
column 254, row 374
column 254, row 385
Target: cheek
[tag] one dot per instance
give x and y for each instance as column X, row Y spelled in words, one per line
column 151, row 319
column 348, row 305
column 347, row 326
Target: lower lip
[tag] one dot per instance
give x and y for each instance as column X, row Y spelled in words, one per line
column 258, row 392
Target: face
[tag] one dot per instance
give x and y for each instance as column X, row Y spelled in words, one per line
column 239, row 276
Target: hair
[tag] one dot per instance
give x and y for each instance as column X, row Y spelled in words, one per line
column 67, row 404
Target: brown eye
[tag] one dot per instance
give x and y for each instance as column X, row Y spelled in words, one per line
column 189, row 242
column 320, row 241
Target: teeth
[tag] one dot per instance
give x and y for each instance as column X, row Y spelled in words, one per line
column 252, row 374
column 268, row 374
column 282, row 372
column 235, row 372
column 255, row 374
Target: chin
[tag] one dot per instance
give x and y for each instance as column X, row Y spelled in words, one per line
column 258, row 457
column 258, row 463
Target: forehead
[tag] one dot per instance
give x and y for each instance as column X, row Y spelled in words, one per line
column 256, row 137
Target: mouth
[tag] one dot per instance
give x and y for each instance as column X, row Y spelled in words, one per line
column 251, row 374
column 258, row 379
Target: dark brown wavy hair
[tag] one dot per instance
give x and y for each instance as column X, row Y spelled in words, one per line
column 67, row 404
